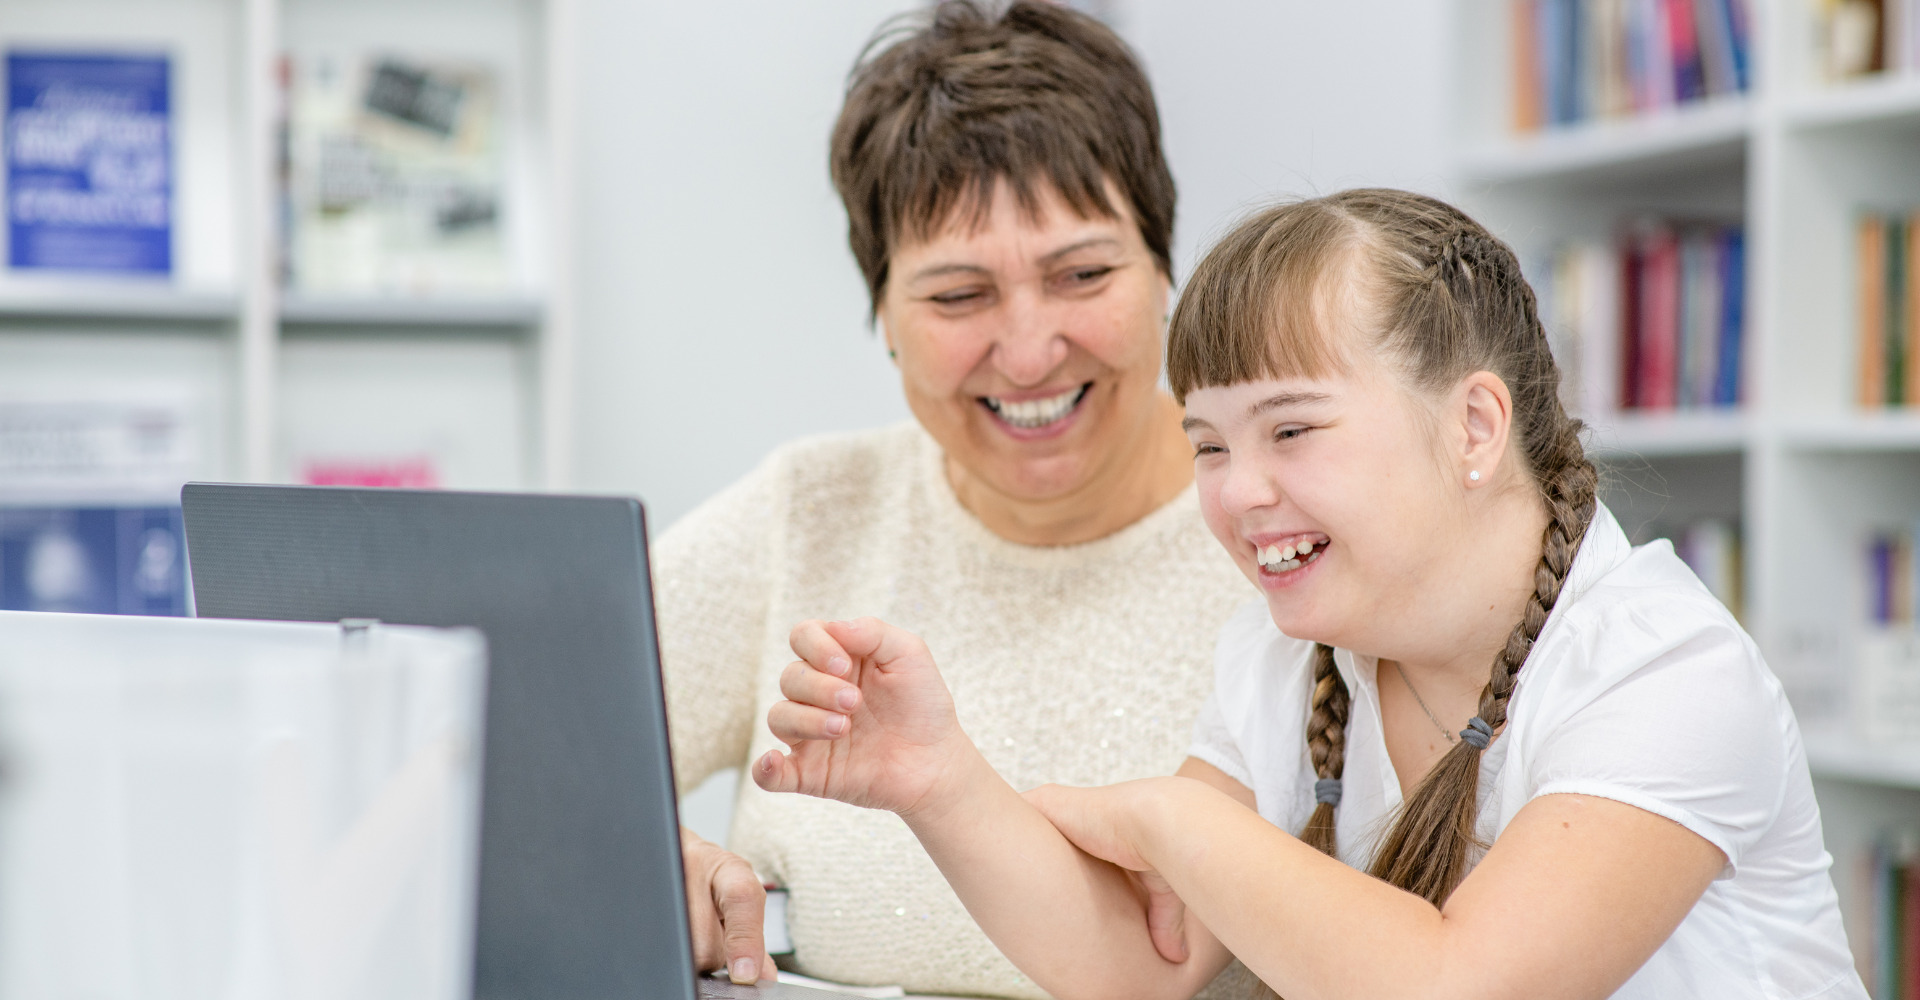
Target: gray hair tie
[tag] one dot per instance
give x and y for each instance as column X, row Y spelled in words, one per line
column 1327, row 791
column 1477, row 734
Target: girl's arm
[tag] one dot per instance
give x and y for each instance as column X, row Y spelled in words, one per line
column 1577, row 894
column 871, row 723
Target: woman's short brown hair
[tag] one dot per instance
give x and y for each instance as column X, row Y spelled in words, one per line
column 941, row 107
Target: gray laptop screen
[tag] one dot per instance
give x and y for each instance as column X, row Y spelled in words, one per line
column 580, row 884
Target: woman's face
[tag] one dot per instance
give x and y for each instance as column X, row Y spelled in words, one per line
column 1029, row 346
column 1333, row 497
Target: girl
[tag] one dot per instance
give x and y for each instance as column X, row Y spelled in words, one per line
column 1618, row 805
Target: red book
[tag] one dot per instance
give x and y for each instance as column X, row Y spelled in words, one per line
column 1659, row 319
column 1910, row 932
column 1630, row 264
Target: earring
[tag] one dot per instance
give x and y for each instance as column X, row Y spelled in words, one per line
column 895, row 355
column 1474, row 475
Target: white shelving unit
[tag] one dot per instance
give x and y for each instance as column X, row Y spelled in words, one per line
column 278, row 369
column 1804, row 471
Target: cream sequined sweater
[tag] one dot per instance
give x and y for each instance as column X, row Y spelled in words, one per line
column 1081, row 664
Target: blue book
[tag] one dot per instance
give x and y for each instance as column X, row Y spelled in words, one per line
column 1733, row 306
column 89, row 156
column 95, row 560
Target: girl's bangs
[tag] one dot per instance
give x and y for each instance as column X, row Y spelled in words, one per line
column 1265, row 303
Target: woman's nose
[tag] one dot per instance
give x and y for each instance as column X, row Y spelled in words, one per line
column 1032, row 344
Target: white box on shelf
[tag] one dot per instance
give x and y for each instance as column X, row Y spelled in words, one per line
column 1887, row 684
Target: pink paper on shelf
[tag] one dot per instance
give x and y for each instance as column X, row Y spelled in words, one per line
column 409, row 471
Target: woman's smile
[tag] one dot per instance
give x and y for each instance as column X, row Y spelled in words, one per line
column 1029, row 416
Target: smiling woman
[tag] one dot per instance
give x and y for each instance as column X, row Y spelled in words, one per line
column 1010, row 209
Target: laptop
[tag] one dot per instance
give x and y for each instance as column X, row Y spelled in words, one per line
column 581, row 893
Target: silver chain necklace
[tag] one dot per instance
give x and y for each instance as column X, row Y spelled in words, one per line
column 1422, row 702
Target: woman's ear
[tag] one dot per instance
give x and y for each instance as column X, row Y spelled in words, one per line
column 1486, row 410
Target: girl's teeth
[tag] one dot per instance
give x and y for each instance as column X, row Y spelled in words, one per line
column 1306, row 548
column 1287, row 553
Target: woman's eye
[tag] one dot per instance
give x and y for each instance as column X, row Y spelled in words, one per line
column 956, row 298
column 1087, row 275
column 1290, row 433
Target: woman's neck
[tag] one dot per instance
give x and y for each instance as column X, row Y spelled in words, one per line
column 1138, row 479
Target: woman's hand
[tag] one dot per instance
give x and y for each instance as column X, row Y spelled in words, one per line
column 1103, row 822
column 869, row 719
column 726, row 907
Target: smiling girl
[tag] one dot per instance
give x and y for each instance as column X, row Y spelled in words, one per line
column 1471, row 743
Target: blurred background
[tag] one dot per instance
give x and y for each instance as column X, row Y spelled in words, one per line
column 590, row 245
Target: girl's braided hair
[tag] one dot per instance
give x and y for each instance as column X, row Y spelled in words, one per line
column 1445, row 299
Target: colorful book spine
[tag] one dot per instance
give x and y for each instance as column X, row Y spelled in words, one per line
column 1893, row 577
column 1887, row 309
column 1654, row 322
column 1578, row 60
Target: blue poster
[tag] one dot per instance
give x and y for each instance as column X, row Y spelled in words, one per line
column 98, row 560
column 89, row 152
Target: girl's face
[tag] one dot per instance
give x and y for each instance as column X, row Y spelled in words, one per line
column 1335, row 496
column 1029, row 346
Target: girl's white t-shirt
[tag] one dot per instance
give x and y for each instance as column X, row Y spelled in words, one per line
column 1641, row 688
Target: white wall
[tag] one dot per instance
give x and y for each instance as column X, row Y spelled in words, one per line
column 720, row 312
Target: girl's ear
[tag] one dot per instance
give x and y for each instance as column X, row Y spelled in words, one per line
column 1486, row 411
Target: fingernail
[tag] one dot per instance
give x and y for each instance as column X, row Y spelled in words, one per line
column 743, row 970
column 836, row 725
column 838, row 666
column 847, row 698
column 769, row 759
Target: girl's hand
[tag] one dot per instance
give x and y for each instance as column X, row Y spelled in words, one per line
column 868, row 717
column 1103, row 822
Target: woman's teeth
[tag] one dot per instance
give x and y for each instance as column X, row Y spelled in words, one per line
column 1031, row 413
column 1281, row 558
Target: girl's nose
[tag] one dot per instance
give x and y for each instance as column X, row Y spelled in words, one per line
column 1247, row 488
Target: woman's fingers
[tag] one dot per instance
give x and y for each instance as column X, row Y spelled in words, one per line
column 1166, row 917
column 793, row 723
column 776, row 772
column 812, row 643
column 800, row 682
column 886, row 645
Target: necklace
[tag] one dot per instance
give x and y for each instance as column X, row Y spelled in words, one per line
column 1422, row 702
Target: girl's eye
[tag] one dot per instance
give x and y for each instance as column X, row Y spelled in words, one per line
column 1290, row 433
column 1208, row 449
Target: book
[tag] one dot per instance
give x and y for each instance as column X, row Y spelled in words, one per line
column 1733, row 310
column 93, row 559
column 89, row 163
column 1578, row 60
column 395, row 177
column 1870, row 273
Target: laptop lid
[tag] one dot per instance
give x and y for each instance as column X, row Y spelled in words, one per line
column 580, row 886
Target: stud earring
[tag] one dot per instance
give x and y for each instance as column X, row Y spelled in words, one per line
column 1474, row 475
column 895, row 355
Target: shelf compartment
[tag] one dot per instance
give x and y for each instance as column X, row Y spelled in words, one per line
column 103, row 301
column 1837, row 756
column 1892, row 430
column 1890, row 99
column 504, row 311
column 1702, row 133
column 1669, row 433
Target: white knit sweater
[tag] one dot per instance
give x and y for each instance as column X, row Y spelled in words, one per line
column 1081, row 664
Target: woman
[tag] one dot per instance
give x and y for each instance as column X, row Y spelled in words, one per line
column 1471, row 743
column 1011, row 210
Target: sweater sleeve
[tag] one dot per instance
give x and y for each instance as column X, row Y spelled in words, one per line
column 712, row 586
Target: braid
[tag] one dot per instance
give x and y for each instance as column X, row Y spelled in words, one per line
column 1326, row 742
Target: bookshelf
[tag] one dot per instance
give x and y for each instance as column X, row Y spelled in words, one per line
column 481, row 378
column 1805, row 472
